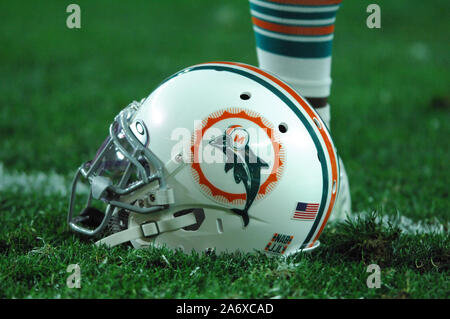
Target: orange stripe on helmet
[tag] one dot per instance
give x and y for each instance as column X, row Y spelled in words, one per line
column 322, row 131
column 289, row 29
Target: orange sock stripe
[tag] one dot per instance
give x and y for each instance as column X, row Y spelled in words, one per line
column 288, row 29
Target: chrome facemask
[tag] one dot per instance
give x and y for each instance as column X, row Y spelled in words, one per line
column 123, row 165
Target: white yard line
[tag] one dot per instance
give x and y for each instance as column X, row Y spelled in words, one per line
column 410, row 226
column 36, row 182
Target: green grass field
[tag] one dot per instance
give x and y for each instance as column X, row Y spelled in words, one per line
column 60, row 89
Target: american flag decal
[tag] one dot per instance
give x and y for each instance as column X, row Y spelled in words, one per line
column 305, row 211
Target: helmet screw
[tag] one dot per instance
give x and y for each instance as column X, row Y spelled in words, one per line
column 152, row 197
column 179, row 158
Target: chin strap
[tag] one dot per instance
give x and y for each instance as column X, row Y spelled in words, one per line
column 149, row 229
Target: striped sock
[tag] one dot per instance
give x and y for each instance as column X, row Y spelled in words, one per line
column 294, row 40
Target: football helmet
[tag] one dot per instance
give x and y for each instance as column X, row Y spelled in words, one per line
column 220, row 156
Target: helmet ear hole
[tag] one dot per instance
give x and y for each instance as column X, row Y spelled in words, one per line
column 245, row 96
column 282, row 127
column 199, row 216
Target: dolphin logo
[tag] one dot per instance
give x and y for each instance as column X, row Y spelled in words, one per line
column 245, row 164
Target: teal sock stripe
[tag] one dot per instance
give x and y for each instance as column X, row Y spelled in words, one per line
column 293, row 15
column 299, row 5
column 296, row 49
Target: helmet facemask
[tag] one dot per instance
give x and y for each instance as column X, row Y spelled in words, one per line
column 121, row 168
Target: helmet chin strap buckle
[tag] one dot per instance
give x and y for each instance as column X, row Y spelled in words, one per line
column 150, row 229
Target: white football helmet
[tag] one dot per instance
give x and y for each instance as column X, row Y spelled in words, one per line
column 221, row 156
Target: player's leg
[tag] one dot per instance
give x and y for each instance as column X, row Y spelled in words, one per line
column 294, row 41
